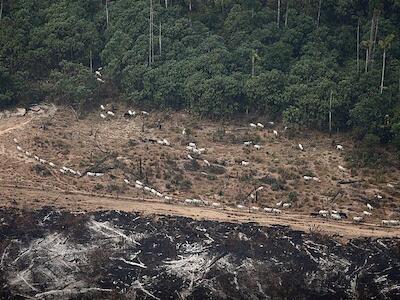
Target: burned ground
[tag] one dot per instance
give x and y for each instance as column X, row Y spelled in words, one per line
column 51, row 254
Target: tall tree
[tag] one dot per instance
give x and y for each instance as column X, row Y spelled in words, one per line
column 319, row 12
column 279, row 13
column 107, row 20
column 358, row 45
column 385, row 45
column 287, row 13
column 254, row 57
column 1, row 9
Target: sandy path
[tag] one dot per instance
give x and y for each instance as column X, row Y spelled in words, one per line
column 8, row 129
column 78, row 201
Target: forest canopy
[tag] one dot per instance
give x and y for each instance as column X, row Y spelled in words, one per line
column 285, row 59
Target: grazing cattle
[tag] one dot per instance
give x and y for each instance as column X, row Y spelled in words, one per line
column 301, row 147
column 190, row 157
column 369, row 206
column 390, row 222
column 110, row 113
column 342, row 168
column 339, row 147
column 323, row 213
column 275, row 132
column 102, row 107
column 367, row 213
column 260, row 125
column 207, row 162
column 257, row 147
column 358, row 219
column 245, row 163
column 253, row 125
column 336, row 216
column 247, row 143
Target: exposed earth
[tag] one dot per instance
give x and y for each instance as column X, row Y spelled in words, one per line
column 122, row 148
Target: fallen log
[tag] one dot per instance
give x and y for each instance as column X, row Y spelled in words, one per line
column 343, row 181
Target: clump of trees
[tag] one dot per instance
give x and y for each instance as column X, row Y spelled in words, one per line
column 295, row 60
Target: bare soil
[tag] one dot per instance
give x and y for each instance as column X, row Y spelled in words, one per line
column 122, row 144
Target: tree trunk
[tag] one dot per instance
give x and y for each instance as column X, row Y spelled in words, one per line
column 358, row 45
column 150, row 44
column 330, row 113
column 1, row 9
column 374, row 43
column 319, row 12
column 160, row 40
column 166, row 3
column 252, row 65
column 383, row 69
column 371, row 39
column 91, row 61
column 287, row 13
column 190, row 5
column 279, row 13
column 366, row 60
column 107, row 13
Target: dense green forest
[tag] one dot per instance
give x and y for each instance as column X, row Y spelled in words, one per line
column 284, row 59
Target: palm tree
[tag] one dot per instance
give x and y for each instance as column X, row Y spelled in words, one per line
column 365, row 44
column 385, row 45
column 254, row 56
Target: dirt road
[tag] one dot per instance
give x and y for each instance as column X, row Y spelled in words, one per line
column 32, row 198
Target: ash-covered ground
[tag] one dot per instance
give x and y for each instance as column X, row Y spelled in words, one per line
column 50, row 254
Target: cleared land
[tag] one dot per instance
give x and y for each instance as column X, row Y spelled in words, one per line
column 117, row 146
